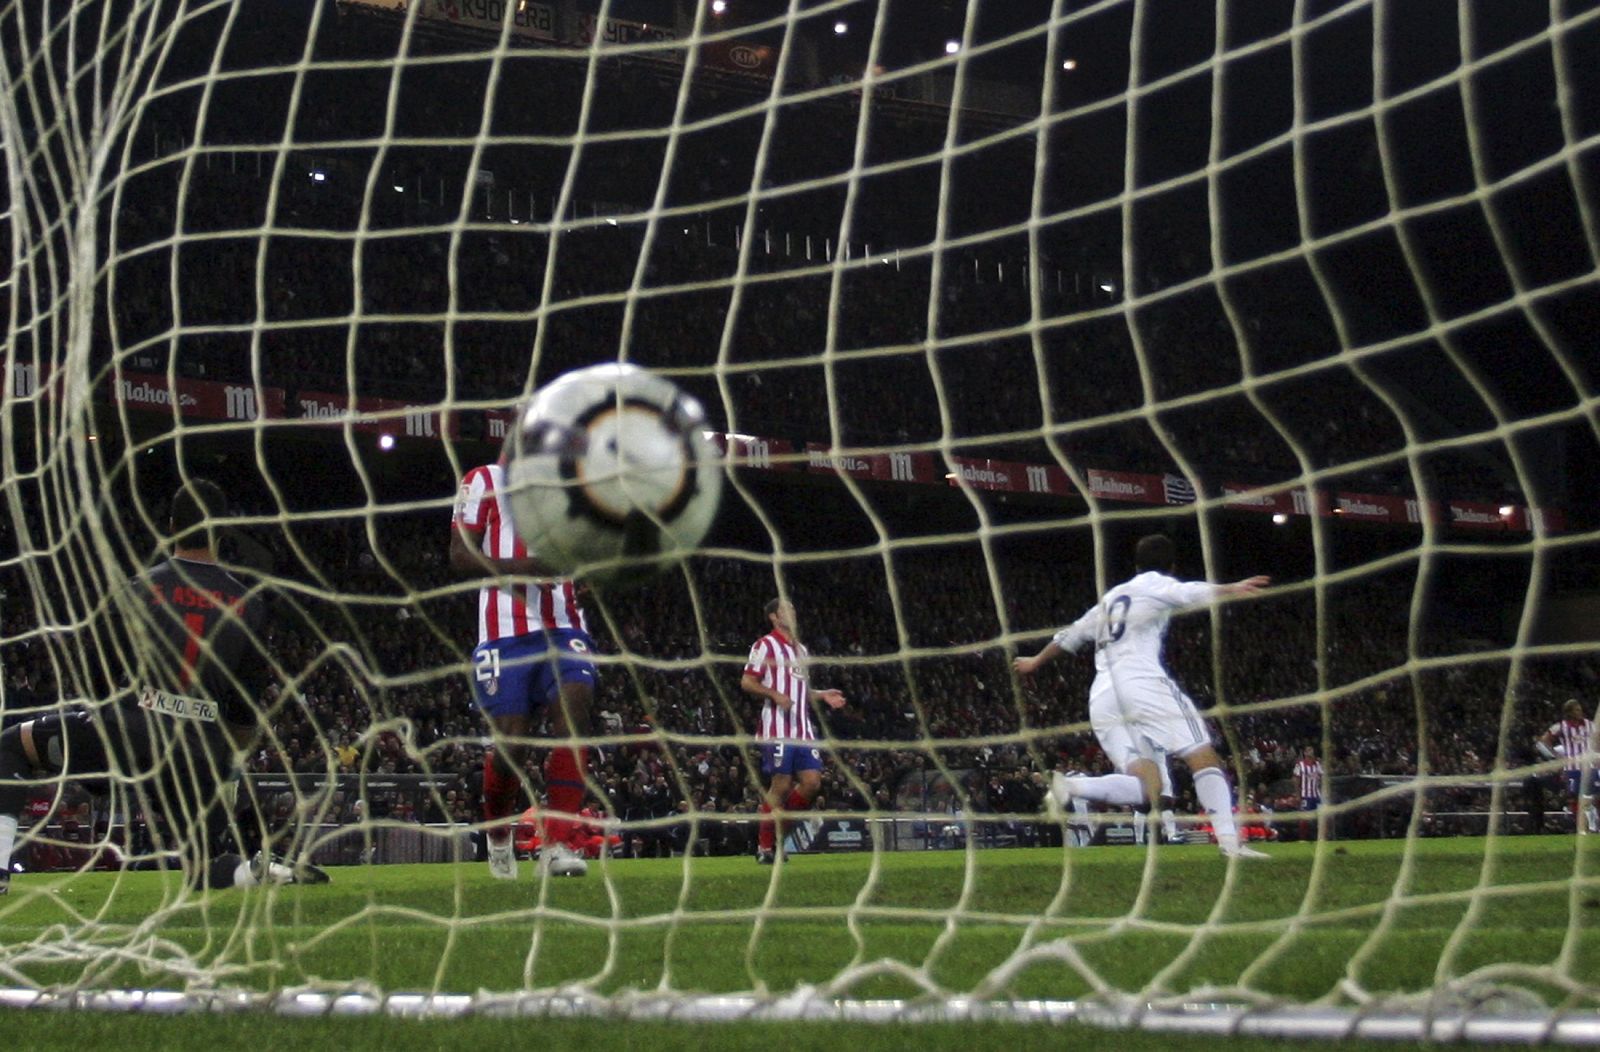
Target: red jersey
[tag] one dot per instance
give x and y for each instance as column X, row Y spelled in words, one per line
column 503, row 613
column 780, row 664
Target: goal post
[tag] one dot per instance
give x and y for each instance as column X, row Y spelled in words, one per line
column 975, row 295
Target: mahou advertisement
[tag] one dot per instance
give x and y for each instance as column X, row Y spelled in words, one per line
column 191, row 399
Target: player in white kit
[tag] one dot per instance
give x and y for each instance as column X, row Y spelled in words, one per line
column 1136, row 709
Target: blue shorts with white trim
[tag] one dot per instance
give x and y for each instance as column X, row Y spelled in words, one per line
column 518, row 675
column 789, row 758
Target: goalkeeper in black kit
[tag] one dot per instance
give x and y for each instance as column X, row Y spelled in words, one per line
column 183, row 660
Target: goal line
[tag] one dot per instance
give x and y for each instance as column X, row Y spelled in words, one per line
column 1429, row 1018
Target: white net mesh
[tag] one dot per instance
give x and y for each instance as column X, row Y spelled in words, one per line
column 1311, row 287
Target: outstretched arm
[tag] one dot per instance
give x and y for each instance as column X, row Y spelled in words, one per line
column 834, row 699
column 1071, row 639
column 1027, row 666
column 1248, row 586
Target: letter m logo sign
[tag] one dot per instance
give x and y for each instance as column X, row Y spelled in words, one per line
column 24, row 381
column 900, row 469
column 420, row 425
column 1038, row 479
column 240, row 402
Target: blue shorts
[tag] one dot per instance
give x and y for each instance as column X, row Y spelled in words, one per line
column 1573, row 783
column 789, row 758
column 517, row 675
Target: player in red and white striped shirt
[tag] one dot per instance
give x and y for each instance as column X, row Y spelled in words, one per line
column 1308, row 777
column 791, row 763
column 1573, row 738
column 533, row 650
column 1308, row 773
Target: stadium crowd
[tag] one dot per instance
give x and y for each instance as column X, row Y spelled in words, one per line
column 409, row 273
column 424, row 334
column 380, row 681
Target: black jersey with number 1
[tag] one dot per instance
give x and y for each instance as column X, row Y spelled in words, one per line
column 206, row 628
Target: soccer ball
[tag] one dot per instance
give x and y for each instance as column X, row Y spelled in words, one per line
column 610, row 475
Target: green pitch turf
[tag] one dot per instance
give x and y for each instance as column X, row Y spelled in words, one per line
column 1373, row 913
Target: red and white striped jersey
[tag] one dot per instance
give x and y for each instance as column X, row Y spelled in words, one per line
column 1574, row 739
column 503, row 613
column 1308, row 773
column 780, row 664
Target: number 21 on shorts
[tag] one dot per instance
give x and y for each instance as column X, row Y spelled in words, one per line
column 486, row 666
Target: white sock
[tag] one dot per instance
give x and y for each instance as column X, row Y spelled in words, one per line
column 1140, row 820
column 8, row 841
column 1169, row 825
column 1122, row 790
column 243, row 877
column 1211, row 786
column 1082, row 831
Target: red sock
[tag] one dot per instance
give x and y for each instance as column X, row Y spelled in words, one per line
column 563, row 788
column 796, row 801
column 499, row 791
column 768, row 832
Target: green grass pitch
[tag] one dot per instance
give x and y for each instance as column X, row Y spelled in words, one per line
column 1384, row 915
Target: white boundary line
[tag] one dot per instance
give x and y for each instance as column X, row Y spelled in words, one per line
column 1218, row 1019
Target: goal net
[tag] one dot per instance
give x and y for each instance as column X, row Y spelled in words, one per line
column 975, row 296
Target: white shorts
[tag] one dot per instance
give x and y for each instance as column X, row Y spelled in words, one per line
column 1147, row 717
column 1118, row 742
